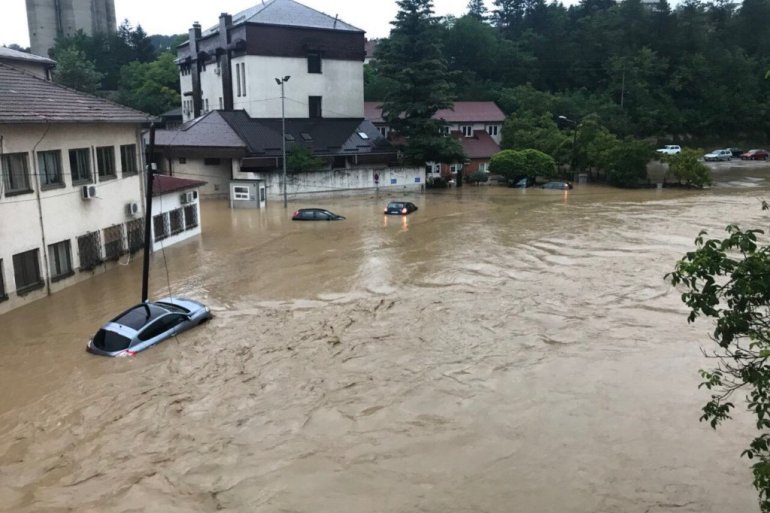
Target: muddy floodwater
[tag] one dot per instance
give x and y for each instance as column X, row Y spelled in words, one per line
column 499, row 350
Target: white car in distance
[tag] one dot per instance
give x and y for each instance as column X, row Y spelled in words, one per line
column 670, row 149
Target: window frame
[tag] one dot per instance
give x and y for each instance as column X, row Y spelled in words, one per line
column 95, row 251
column 108, row 162
column 241, row 193
column 3, row 292
column 9, row 173
column 133, row 168
column 74, row 161
column 466, row 130
column 60, row 260
column 314, row 62
column 315, row 101
column 46, row 183
column 493, row 130
column 160, row 221
column 35, row 263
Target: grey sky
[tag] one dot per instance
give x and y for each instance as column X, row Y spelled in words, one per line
column 176, row 16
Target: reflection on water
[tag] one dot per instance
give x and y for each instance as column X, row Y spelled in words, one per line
column 497, row 350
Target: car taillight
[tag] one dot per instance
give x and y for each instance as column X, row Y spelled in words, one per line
column 386, row 210
column 127, row 353
column 403, row 211
column 295, row 214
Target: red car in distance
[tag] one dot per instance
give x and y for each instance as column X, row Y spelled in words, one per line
column 756, row 155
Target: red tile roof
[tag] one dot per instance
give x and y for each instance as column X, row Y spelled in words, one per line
column 480, row 146
column 164, row 184
column 463, row 112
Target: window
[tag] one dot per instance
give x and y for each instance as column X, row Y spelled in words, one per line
column 90, row 249
column 113, row 242
column 484, row 167
column 80, row 165
column 190, row 217
column 135, row 235
column 446, row 130
column 493, row 129
column 160, row 225
column 49, row 167
column 241, row 193
column 243, row 78
column 384, row 131
column 363, row 135
column 182, row 160
column 176, row 221
column 467, row 130
column 59, row 260
column 314, row 62
column 105, row 161
column 221, row 103
column 15, row 173
column 238, row 78
column 3, row 295
column 161, row 326
column 314, row 103
column 306, row 136
column 455, row 168
column 340, row 162
column 128, row 159
column 26, row 270
column 206, row 109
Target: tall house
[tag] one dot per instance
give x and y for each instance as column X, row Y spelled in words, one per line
column 234, row 65
column 49, row 19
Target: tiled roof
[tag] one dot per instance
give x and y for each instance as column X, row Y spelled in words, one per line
column 27, row 99
column 287, row 13
column 8, row 53
column 480, row 146
column 164, row 184
column 210, row 130
column 463, row 112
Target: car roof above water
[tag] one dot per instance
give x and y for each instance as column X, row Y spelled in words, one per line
column 139, row 315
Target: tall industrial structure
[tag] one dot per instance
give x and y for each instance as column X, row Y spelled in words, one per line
column 49, row 19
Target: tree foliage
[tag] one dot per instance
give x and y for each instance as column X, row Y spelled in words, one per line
column 300, row 159
column 687, row 167
column 150, row 87
column 728, row 280
column 513, row 164
column 626, row 162
column 73, row 69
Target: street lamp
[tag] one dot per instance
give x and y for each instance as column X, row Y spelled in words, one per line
column 576, row 125
column 280, row 82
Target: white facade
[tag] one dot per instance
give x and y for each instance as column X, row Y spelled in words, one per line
column 211, row 88
column 176, row 217
column 41, row 205
column 215, row 172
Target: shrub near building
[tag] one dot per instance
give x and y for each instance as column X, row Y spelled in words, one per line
column 513, row 164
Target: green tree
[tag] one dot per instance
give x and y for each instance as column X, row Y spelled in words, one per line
column 74, row 70
column 687, row 167
column 728, row 280
column 411, row 58
column 300, row 159
column 150, row 87
column 513, row 164
column 627, row 163
column 539, row 132
column 477, row 9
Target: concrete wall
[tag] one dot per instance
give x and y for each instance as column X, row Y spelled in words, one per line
column 217, row 176
column 341, row 86
column 48, row 19
column 65, row 216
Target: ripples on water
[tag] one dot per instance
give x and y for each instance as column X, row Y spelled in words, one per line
column 499, row 350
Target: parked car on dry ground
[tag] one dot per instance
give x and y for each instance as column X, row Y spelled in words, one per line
column 717, row 155
column 756, row 155
column 670, row 149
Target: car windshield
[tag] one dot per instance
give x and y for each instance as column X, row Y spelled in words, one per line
column 139, row 316
column 173, row 308
column 395, row 205
column 110, row 341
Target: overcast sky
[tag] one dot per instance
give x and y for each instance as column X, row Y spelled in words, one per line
column 175, row 16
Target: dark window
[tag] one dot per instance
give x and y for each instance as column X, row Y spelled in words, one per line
column 314, row 62
column 320, row 214
column 15, row 173
column 128, row 159
column 49, row 167
column 212, row 162
column 135, row 235
column 314, row 103
column 90, row 250
column 3, row 295
column 160, row 225
column 182, row 160
column 111, row 341
column 190, row 217
column 161, row 326
column 59, row 259
column 306, row 136
column 80, row 165
column 113, row 242
column 176, row 221
column 26, row 270
column 139, row 316
column 105, row 161
column 339, row 162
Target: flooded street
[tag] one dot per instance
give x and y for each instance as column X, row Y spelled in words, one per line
column 499, row 350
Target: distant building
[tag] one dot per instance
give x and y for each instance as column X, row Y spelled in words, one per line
column 33, row 64
column 49, row 19
column 371, row 49
column 70, row 187
column 176, row 210
column 233, row 65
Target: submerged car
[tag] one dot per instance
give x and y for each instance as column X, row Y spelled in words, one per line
column 315, row 214
column 557, row 185
column 144, row 325
column 400, row 208
column 522, row 183
column 755, row 155
column 718, row 155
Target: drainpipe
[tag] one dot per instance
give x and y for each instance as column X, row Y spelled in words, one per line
column 35, row 170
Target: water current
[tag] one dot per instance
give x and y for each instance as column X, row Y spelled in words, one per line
column 499, row 350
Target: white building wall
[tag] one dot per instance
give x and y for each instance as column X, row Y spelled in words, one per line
column 217, row 176
column 211, row 88
column 185, row 83
column 162, row 205
column 65, row 216
column 341, row 86
column 498, row 137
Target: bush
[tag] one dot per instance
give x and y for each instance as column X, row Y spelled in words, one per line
column 478, row 177
column 531, row 163
column 687, row 166
column 436, row 182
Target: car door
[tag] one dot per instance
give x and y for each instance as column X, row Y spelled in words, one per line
column 322, row 216
column 158, row 330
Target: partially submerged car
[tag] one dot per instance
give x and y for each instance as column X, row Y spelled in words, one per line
column 144, row 325
column 315, row 214
column 522, row 182
column 400, row 208
column 557, row 185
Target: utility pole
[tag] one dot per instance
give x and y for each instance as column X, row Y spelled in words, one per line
column 150, row 170
column 281, row 82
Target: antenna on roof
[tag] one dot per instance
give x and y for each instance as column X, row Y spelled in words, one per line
column 335, row 20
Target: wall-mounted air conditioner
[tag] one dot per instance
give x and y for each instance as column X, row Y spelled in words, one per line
column 188, row 197
column 132, row 209
column 88, row 192
column 217, row 70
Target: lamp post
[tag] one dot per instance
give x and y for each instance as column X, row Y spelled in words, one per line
column 281, row 82
column 575, row 125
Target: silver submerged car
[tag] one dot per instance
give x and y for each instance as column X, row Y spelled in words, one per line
column 147, row 324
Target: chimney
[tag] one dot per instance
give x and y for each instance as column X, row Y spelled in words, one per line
column 195, row 72
column 223, row 54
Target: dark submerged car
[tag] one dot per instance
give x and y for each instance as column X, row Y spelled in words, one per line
column 142, row 326
column 315, row 214
column 400, row 208
column 557, row 185
column 522, row 182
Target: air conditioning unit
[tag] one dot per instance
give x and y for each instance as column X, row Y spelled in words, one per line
column 217, row 70
column 132, row 209
column 188, row 197
column 88, row 192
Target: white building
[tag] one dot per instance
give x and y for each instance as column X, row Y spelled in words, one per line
column 234, row 65
column 175, row 210
column 70, row 194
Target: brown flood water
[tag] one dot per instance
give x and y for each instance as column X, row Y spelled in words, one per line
column 497, row 351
